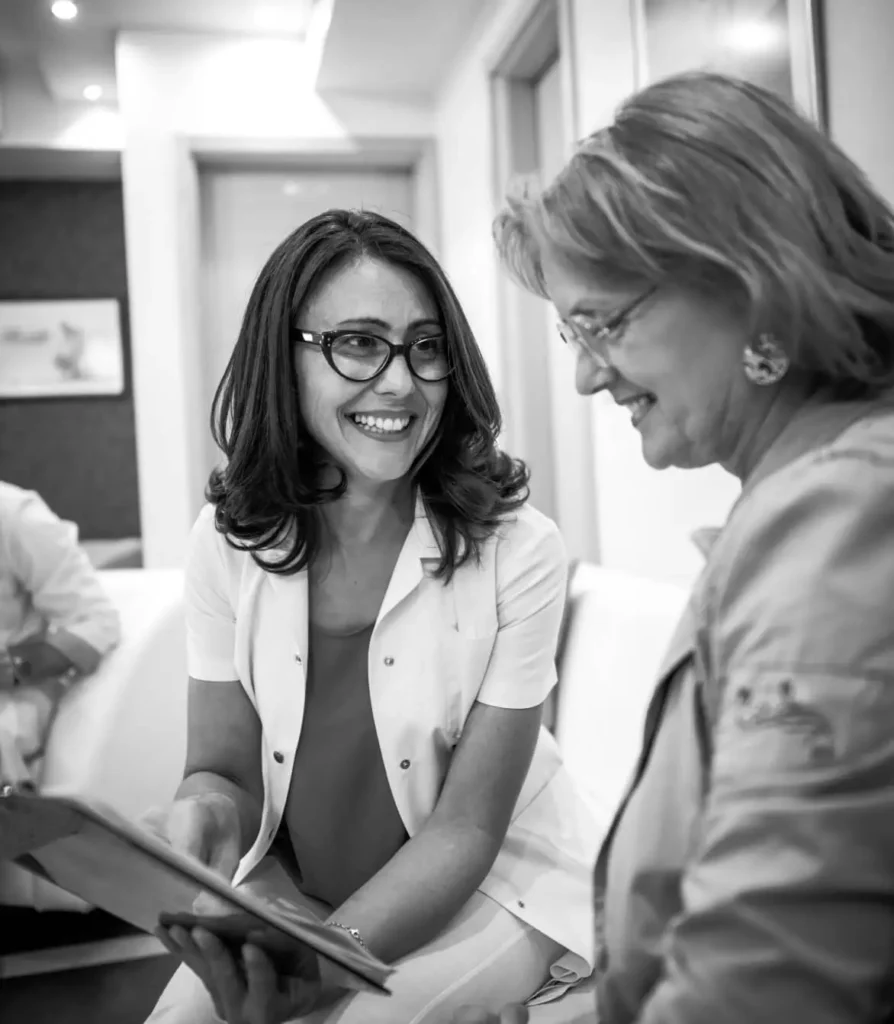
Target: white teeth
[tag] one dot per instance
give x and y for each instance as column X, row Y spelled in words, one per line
column 384, row 425
column 638, row 407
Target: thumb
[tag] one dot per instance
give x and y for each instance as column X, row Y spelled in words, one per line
column 224, row 854
column 155, row 820
column 187, row 830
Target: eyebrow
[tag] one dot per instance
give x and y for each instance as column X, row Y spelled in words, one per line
column 372, row 321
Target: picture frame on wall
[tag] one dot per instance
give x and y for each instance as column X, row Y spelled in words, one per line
column 773, row 43
column 61, row 349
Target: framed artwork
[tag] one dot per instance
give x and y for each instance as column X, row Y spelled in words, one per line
column 60, row 349
column 773, row 43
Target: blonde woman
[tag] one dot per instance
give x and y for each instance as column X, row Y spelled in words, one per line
column 726, row 274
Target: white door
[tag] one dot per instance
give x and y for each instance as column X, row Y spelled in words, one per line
column 245, row 215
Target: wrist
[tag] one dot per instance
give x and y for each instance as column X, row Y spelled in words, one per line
column 348, row 930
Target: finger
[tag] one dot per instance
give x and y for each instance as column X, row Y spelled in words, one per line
column 155, row 821
column 208, row 904
column 13, row 770
column 225, row 974
column 164, row 937
column 262, row 985
column 189, row 952
column 182, row 945
column 303, row 962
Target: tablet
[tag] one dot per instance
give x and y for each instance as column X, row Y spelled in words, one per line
column 113, row 864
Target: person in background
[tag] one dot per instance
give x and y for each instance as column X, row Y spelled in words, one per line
column 56, row 624
column 726, row 274
column 372, row 617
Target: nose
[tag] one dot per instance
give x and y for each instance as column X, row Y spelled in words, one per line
column 397, row 379
column 592, row 374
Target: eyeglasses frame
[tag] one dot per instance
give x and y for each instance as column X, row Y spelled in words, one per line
column 584, row 338
column 324, row 340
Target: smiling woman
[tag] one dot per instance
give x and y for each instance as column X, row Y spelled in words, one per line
column 373, row 611
column 727, row 274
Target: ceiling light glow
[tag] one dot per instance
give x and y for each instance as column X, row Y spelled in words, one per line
column 64, row 10
column 753, row 37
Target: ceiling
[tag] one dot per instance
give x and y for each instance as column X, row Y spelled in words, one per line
column 373, row 46
column 396, row 47
column 69, row 55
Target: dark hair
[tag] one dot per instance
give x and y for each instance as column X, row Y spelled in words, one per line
column 706, row 178
column 269, row 493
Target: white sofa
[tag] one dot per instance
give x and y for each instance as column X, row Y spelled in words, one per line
column 618, row 628
column 120, row 735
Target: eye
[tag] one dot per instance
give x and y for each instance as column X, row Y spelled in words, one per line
column 358, row 344
column 429, row 347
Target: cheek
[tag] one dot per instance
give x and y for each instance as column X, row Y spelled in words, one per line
column 319, row 407
column 435, row 400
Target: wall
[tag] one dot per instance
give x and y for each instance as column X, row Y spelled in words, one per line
column 62, row 240
column 860, row 73
column 178, row 93
column 860, row 77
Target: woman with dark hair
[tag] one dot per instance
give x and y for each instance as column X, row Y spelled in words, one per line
column 373, row 612
column 725, row 273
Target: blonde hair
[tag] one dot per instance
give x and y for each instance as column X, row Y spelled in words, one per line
column 713, row 182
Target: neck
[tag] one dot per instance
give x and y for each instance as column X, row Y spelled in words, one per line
column 369, row 514
column 756, row 440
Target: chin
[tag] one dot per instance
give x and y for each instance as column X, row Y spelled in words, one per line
column 380, row 474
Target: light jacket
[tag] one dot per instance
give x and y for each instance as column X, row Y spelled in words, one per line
column 749, row 875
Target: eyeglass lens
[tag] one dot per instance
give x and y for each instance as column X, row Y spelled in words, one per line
column 362, row 356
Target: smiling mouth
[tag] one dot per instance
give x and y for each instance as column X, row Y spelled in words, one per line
column 390, row 425
column 639, row 407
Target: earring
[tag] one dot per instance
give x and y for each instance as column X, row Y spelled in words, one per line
column 764, row 361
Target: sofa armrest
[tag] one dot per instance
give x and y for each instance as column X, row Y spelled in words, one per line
column 619, row 626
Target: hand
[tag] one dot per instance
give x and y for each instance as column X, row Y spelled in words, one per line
column 248, row 991
column 24, row 716
column 513, row 1014
column 205, row 826
column 35, row 660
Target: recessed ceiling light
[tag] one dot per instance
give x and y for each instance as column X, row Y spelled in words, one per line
column 92, row 93
column 64, row 10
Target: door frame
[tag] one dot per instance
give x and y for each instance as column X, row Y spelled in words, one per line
column 563, row 457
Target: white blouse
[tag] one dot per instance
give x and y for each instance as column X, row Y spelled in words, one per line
column 488, row 635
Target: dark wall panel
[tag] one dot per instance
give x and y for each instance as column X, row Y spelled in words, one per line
column 65, row 240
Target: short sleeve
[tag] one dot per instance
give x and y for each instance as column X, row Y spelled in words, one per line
column 531, row 576
column 210, row 617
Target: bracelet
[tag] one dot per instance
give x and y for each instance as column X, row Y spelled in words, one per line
column 351, row 931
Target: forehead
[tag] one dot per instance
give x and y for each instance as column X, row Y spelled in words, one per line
column 370, row 288
column 573, row 287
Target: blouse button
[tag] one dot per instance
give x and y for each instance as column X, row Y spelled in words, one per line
column 405, row 764
column 389, row 662
column 279, row 756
